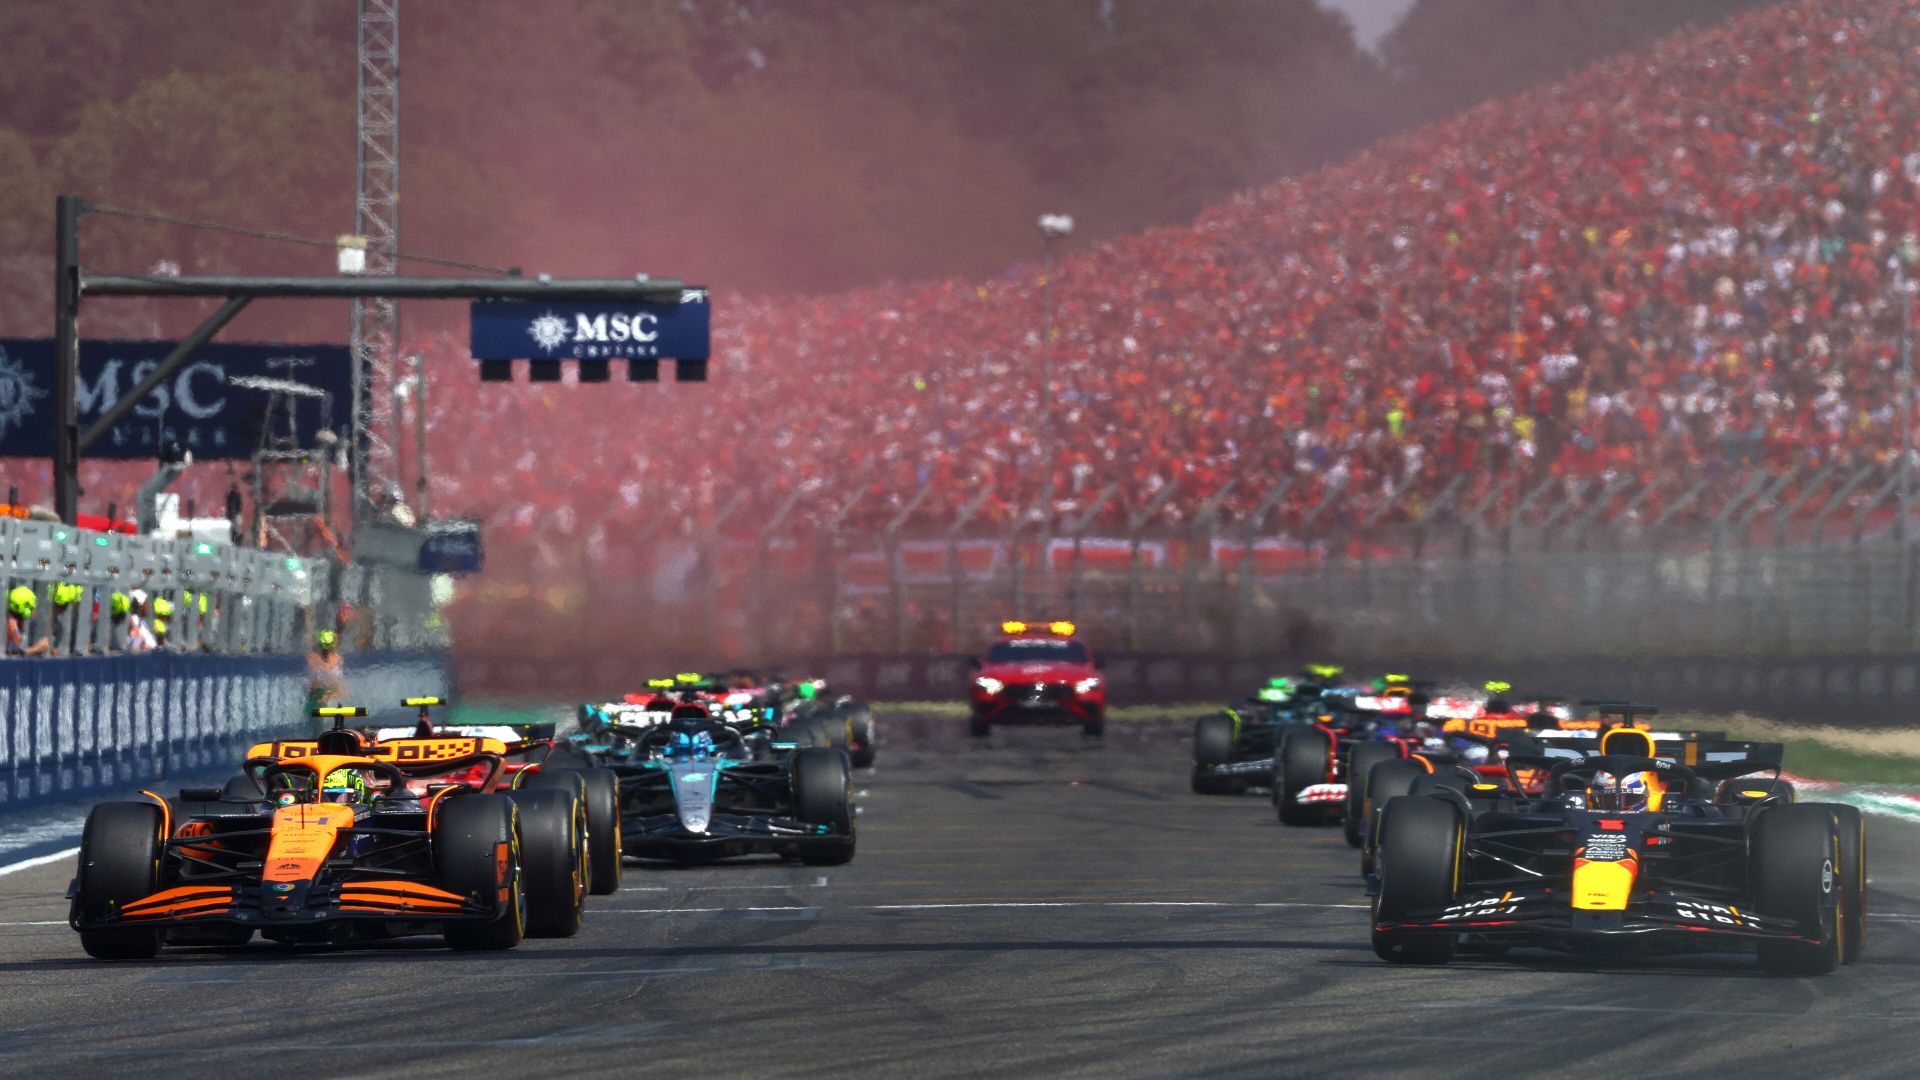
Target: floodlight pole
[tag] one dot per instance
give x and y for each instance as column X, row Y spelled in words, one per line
column 1902, row 287
column 1046, row 368
column 66, row 355
column 1052, row 227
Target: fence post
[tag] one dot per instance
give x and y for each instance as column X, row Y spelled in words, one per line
column 837, row 569
column 1135, row 524
column 1080, row 525
column 890, row 551
column 763, row 598
column 1250, row 535
column 1800, row 498
column 1583, row 525
column 1576, row 491
column 710, row 572
column 1307, row 523
column 1427, row 513
column 1190, row 568
column 955, row 572
column 1834, row 502
column 1476, row 514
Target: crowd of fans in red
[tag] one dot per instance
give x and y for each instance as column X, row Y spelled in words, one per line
column 1673, row 263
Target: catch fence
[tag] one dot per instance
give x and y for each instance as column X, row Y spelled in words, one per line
column 1806, row 563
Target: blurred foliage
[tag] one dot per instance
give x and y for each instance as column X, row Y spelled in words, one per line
column 769, row 145
column 1458, row 52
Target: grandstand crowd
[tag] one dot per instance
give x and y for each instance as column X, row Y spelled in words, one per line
column 1674, row 263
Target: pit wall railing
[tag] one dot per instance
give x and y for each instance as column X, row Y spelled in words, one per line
column 223, row 598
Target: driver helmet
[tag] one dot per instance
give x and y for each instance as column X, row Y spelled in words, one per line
column 1627, row 793
column 21, row 601
column 687, row 745
column 289, row 787
column 346, row 786
column 326, row 640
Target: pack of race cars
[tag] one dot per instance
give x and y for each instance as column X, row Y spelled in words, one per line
column 1488, row 821
column 1483, row 820
column 482, row 835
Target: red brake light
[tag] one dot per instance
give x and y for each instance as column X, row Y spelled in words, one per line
column 1612, row 824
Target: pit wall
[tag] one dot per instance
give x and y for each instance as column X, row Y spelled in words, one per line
column 77, row 727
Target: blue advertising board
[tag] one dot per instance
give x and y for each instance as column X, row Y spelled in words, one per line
column 568, row 330
column 201, row 407
column 452, row 547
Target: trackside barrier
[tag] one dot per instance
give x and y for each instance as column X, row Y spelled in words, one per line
column 80, row 726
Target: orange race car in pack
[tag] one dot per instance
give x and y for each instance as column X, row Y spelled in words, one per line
column 331, row 840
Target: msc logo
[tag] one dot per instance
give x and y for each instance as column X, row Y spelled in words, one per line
column 551, row 331
column 17, row 393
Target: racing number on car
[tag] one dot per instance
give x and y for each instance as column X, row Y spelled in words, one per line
column 438, row 750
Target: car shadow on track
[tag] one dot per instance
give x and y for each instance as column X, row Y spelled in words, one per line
column 431, row 951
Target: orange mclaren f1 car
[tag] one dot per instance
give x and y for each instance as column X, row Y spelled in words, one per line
column 338, row 844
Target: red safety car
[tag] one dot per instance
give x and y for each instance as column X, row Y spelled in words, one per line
column 1038, row 673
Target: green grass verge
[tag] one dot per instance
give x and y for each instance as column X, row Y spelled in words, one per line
column 1818, row 760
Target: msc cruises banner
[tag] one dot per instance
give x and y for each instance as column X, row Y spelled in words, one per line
column 213, row 407
column 565, row 330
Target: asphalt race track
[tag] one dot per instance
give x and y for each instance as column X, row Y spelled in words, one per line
column 1038, row 906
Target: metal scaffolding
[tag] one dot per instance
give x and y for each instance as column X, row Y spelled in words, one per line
column 374, row 459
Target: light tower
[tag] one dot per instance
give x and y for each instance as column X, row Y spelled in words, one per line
column 373, row 458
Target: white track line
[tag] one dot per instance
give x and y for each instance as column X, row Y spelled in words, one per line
column 28, row 864
column 721, row 888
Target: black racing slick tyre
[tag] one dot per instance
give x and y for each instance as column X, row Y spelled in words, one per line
column 1385, row 782
column 863, row 748
column 1302, row 761
column 598, row 792
column 1213, row 739
column 1094, row 726
column 837, row 728
column 979, row 726
column 1422, row 844
column 1853, row 880
column 566, row 757
column 553, row 859
column 823, row 796
column 468, row 837
column 603, row 830
column 1794, row 857
column 119, row 863
column 1360, row 762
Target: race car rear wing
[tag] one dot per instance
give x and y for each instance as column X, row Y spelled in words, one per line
column 1709, row 754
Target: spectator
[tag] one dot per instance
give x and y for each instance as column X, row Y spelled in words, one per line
column 1673, row 264
column 21, row 602
column 140, row 637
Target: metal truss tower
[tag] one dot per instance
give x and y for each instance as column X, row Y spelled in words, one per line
column 374, row 459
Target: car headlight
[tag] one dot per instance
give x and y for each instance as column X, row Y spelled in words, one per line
column 989, row 685
column 1086, row 686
